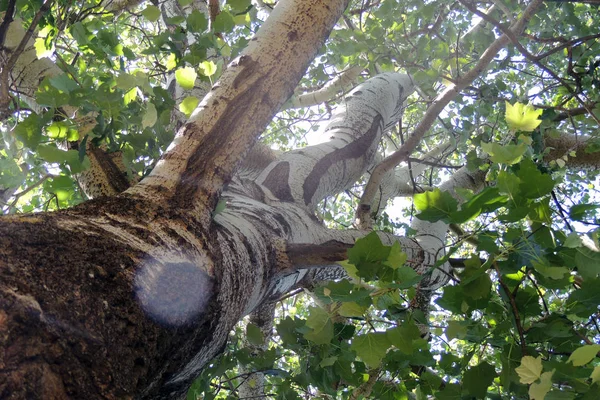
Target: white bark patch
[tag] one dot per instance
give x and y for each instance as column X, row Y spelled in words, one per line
column 307, row 175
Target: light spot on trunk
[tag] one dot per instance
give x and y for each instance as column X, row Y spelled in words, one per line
column 173, row 293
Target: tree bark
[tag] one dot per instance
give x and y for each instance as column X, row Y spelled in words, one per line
column 129, row 296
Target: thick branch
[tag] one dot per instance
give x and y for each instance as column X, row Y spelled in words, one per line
column 561, row 146
column 398, row 183
column 205, row 152
column 308, row 175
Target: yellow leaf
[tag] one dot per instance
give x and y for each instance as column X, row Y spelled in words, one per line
column 171, row 61
column 40, row 48
column 186, row 77
column 130, row 96
column 530, row 369
column 521, row 117
column 537, row 391
column 584, row 354
column 208, row 68
column 188, row 105
column 595, row 375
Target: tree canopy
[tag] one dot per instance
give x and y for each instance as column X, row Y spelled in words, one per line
column 508, row 90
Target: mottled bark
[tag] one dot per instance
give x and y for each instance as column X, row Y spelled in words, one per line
column 573, row 150
column 130, row 296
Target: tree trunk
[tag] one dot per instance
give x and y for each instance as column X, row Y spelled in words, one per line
column 130, row 296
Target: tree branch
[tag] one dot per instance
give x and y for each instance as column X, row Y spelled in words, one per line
column 513, row 38
column 345, row 79
column 440, row 102
column 194, row 169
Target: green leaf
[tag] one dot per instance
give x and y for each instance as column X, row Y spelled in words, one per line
column 64, row 83
column 582, row 212
column 254, row 335
column 49, row 96
column 397, row 257
column 80, row 33
column 368, row 255
column 453, row 300
column 489, row 199
column 549, row 271
column 126, row 81
column 435, row 205
column 52, row 154
column 224, row 22
column 186, row 77
column 456, row 330
column 562, row 394
column 451, row 391
column 239, row 5
column 29, row 131
column 537, row 391
column 242, row 19
column 371, row 347
column 534, row 184
column 352, row 309
column 521, row 117
column 321, row 326
column 508, row 183
column 584, row 301
column 287, row 330
column 328, row 362
column 11, row 174
column 477, row 379
column 595, row 375
column 188, row 105
column 197, row 22
column 584, row 354
column 150, row 116
column 403, row 337
column 587, row 260
column 530, row 369
column 508, row 154
column 350, row 269
column 573, row 240
column 406, row 277
column 344, row 291
column 152, row 13
column 541, row 212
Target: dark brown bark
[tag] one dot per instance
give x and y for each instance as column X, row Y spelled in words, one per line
column 71, row 325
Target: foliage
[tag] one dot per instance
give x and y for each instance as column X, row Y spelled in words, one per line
column 520, row 318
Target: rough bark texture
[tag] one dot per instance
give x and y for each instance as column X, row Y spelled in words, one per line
column 130, row 296
column 125, row 297
column 71, row 326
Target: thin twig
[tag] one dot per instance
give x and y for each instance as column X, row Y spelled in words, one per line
column 29, row 189
column 28, row 34
column 441, row 101
column 513, row 38
column 515, row 310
